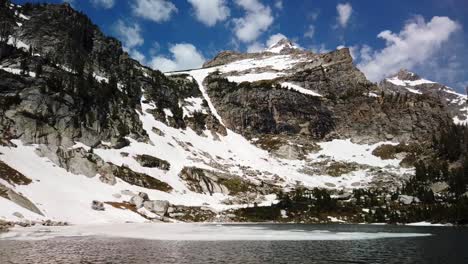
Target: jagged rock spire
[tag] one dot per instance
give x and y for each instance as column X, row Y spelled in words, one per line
column 283, row 45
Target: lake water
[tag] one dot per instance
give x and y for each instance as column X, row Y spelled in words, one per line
column 236, row 244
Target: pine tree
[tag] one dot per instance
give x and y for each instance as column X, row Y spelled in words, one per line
column 420, row 171
column 24, row 66
column 39, row 69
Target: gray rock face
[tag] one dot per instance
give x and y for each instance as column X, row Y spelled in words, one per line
column 140, row 179
column 12, row 176
column 289, row 152
column 258, row 108
column 202, row 181
column 80, row 161
column 19, row 199
column 389, row 117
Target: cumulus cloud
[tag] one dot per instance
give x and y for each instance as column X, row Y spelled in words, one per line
column 257, row 19
column 344, row 14
column 184, row 56
column 449, row 65
column 103, row 3
column 255, row 47
column 209, row 12
column 414, row 45
column 154, row 10
column 129, row 34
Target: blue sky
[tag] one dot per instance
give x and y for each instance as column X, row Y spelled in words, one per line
column 426, row 36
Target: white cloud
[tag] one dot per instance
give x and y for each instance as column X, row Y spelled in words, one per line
column 255, row 47
column 184, row 56
column 449, row 65
column 209, row 12
column 258, row 19
column 310, row 32
column 414, row 45
column 155, row 10
column 279, row 4
column 103, row 3
column 344, row 13
column 129, row 34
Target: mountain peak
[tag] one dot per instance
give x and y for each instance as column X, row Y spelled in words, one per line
column 406, row 75
column 282, row 45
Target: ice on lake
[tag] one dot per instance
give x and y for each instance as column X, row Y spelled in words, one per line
column 199, row 232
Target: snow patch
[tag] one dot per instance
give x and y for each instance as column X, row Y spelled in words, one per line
column 397, row 81
column 300, row 89
column 254, row 77
column 347, row 151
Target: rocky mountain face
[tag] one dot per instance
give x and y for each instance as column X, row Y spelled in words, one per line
column 88, row 134
column 405, row 82
column 343, row 103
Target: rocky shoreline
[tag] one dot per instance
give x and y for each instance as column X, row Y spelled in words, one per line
column 5, row 226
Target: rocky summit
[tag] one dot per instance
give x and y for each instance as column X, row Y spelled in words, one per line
column 88, row 134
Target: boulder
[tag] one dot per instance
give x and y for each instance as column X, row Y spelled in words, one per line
column 407, row 199
column 139, row 199
column 127, row 192
column 152, row 162
column 439, row 187
column 291, row 152
column 19, row 215
column 108, row 179
column 97, row 205
column 158, row 207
